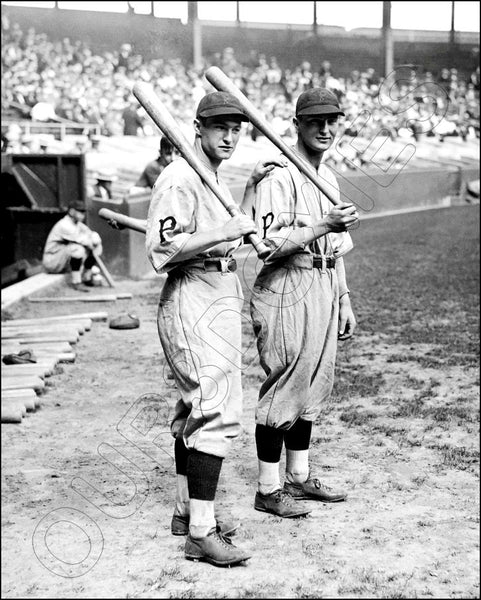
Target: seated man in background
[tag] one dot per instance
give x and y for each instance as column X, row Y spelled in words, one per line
column 154, row 168
column 103, row 185
column 72, row 246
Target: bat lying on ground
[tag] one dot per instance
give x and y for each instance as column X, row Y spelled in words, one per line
column 222, row 83
column 166, row 123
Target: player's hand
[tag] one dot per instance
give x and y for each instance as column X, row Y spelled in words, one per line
column 347, row 320
column 115, row 224
column 265, row 166
column 341, row 217
column 237, row 227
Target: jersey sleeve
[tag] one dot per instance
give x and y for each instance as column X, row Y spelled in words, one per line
column 170, row 223
column 274, row 212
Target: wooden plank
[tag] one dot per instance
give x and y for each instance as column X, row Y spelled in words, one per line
column 85, row 298
column 86, row 324
column 9, row 333
column 16, row 404
column 94, row 316
column 27, row 392
column 71, row 326
column 39, row 349
column 10, row 415
column 22, row 289
column 27, row 396
column 28, row 402
column 39, row 371
column 15, row 383
column 46, row 338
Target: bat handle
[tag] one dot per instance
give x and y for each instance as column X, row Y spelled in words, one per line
column 261, row 248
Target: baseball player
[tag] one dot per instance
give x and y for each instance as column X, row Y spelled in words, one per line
column 191, row 237
column 300, row 307
column 72, row 246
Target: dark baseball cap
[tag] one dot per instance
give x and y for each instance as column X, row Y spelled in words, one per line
column 78, row 205
column 220, row 103
column 317, row 101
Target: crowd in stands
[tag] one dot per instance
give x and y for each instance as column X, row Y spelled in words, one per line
column 65, row 81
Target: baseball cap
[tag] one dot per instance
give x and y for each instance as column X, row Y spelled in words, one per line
column 78, row 205
column 318, row 101
column 220, row 103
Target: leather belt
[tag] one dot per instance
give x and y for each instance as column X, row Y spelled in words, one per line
column 307, row 261
column 323, row 262
column 223, row 264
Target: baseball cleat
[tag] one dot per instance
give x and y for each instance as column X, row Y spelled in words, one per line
column 180, row 525
column 313, row 489
column 279, row 503
column 215, row 549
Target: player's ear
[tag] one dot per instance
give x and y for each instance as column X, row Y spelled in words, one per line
column 197, row 127
column 296, row 123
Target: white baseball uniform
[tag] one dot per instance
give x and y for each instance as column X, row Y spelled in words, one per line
column 199, row 310
column 295, row 305
column 68, row 239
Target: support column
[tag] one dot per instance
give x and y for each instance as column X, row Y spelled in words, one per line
column 196, row 29
column 387, row 39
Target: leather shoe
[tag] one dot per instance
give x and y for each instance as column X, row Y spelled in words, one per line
column 180, row 525
column 279, row 503
column 215, row 549
column 78, row 287
column 313, row 489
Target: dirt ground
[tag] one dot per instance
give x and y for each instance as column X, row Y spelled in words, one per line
column 88, row 480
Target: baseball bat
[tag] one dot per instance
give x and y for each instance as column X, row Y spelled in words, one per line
column 115, row 218
column 166, row 123
column 222, row 83
column 103, row 269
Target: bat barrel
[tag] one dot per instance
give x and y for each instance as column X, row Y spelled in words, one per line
column 147, row 97
column 222, row 83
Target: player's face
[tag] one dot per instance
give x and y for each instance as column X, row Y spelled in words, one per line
column 219, row 136
column 77, row 215
column 318, row 131
column 168, row 157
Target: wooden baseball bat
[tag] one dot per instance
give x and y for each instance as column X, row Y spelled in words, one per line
column 103, row 269
column 222, row 83
column 166, row 123
column 115, row 218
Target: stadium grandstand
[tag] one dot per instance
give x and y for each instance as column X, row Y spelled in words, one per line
column 67, row 81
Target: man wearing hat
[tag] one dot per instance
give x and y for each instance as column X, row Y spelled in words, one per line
column 71, row 246
column 103, row 186
column 191, row 237
column 300, row 307
column 154, row 168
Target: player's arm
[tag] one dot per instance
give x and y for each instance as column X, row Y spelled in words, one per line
column 275, row 214
column 262, row 168
column 201, row 241
column 347, row 320
column 171, row 235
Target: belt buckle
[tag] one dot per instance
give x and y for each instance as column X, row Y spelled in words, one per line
column 224, row 265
